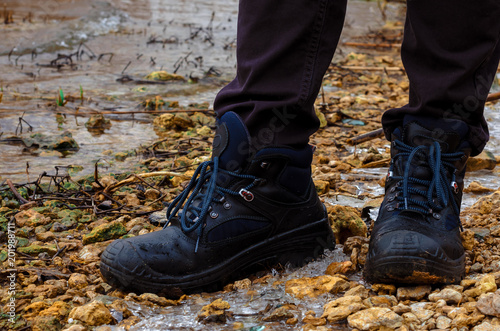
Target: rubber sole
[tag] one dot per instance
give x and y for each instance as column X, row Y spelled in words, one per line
column 296, row 247
column 414, row 270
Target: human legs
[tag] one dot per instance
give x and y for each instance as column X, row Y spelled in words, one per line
column 451, row 51
column 254, row 202
column 284, row 49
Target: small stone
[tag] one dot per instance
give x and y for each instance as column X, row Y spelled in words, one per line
column 152, row 194
column 35, row 249
column 413, row 293
column 485, row 160
column 384, row 289
column 94, row 314
column 342, row 307
column 315, row 286
column 30, row 218
column 484, row 285
column 75, row 327
column 343, row 267
column 178, row 121
column 316, row 321
column 243, row 284
column 105, row 232
column 214, row 312
column 131, row 199
column 422, row 311
column 374, row 319
column 468, row 240
column 443, row 322
column 386, row 301
column 476, row 267
column 98, row 123
column 58, row 227
column 44, row 323
column 346, row 222
column 359, row 291
column 45, row 236
column 157, row 300
column 489, row 304
column 457, row 311
column 477, row 188
column 78, row 281
column 486, row 326
column 449, row 295
column 280, row 313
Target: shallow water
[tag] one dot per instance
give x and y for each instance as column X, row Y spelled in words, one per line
column 199, row 36
column 191, row 29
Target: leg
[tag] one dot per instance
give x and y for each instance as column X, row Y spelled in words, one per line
column 252, row 204
column 284, row 49
column 451, row 52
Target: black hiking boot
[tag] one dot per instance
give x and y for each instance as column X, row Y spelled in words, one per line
column 241, row 209
column 416, row 237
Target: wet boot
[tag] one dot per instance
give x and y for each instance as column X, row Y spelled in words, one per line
column 241, row 209
column 416, row 237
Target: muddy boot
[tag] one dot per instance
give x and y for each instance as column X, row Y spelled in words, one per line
column 241, row 209
column 416, row 237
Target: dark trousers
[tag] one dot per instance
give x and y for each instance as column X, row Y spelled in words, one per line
column 450, row 51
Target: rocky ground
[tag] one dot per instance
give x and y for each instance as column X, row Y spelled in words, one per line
column 61, row 226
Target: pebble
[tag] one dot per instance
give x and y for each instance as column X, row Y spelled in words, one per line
column 486, row 326
column 374, row 319
column 489, row 304
column 215, row 311
column 342, row 307
column 78, row 281
column 449, row 295
column 94, row 313
column 315, row 286
column 413, row 293
column 443, row 322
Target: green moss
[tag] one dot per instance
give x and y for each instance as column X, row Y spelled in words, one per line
column 3, row 256
column 37, row 249
column 22, row 242
column 105, row 232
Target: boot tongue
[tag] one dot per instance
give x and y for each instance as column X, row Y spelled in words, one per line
column 449, row 133
column 231, row 142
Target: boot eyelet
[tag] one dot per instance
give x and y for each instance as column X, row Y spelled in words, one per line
column 227, row 206
column 454, row 186
column 265, row 165
column 391, row 198
column 214, row 214
column 390, row 208
column 246, row 194
column 393, row 189
column 436, row 216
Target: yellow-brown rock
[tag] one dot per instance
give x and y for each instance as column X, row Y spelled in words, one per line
column 315, row 286
column 94, row 313
column 214, row 312
column 346, row 222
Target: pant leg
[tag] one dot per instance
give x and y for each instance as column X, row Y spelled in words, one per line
column 283, row 50
column 451, row 51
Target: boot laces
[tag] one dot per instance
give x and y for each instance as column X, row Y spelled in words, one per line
column 439, row 190
column 194, row 203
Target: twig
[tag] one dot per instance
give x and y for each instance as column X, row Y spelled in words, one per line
column 13, row 189
column 129, row 180
column 493, row 96
column 366, row 137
